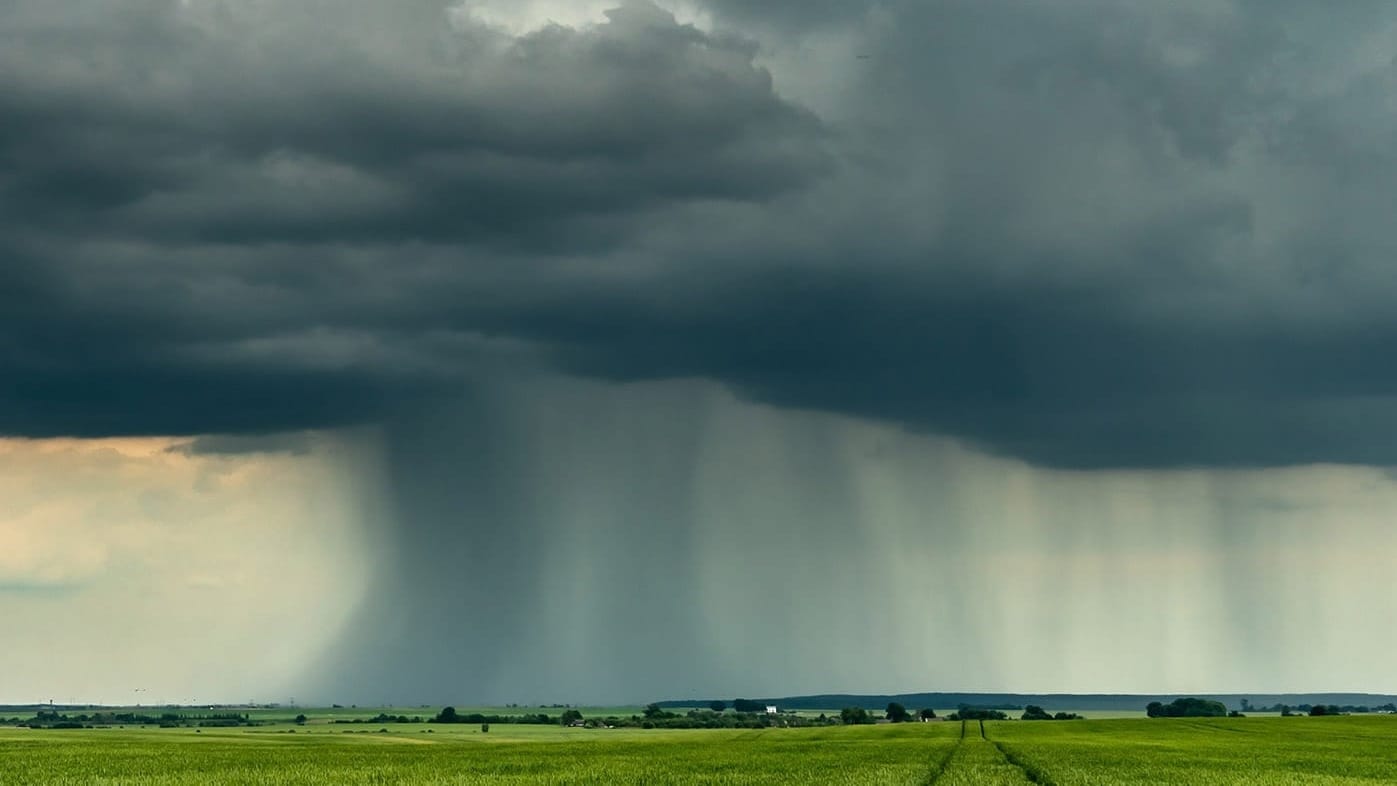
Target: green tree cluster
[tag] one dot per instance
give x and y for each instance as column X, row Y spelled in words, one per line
column 966, row 712
column 855, row 716
column 1034, row 712
column 1186, row 708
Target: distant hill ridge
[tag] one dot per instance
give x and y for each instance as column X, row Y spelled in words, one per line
column 1064, row 701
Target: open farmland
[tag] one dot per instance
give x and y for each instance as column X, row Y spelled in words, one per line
column 1331, row 751
column 522, row 755
column 1271, row 750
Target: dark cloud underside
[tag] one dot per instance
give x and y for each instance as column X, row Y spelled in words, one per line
column 1084, row 234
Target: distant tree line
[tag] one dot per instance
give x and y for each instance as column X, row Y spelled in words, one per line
column 449, row 715
column 381, row 718
column 1327, row 709
column 652, row 717
column 1186, row 708
column 656, row 717
column 52, row 719
column 855, row 716
column 1034, row 712
column 1304, row 709
column 894, row 713
column 1205, row 708
column 967, row 712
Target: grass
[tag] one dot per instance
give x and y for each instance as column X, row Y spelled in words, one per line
column 1268, row 750
column 976, row 762
column 1323, row 751
column 524, row 755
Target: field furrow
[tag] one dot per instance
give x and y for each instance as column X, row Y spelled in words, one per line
column 976, row 760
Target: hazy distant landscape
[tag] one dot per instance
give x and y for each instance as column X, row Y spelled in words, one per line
column 315, row 746
column 1112, row 702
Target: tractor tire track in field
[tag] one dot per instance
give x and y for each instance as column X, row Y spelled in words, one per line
column 940, row 768
column 1214, row 727
column 983, row 761
column 1030, row 771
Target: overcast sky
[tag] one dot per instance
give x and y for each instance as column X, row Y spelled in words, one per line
column 580, row 350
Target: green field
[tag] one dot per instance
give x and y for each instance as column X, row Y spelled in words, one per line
column 1339, row 750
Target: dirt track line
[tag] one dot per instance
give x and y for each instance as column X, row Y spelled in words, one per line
column 1030, row 771
column 1213, row 727
column 940, row 768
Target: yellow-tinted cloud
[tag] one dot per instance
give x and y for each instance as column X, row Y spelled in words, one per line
column 171, row 562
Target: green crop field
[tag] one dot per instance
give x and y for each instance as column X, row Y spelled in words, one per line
column 1330, row 751
column 1269, row 750
column 522, row 755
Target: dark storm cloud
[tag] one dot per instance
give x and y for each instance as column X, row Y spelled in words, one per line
column 1084, row 234
column 227, row 217
column 234, row 129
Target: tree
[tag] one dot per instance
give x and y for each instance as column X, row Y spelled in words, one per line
column 301, row 719
column 717, row 706
column 1186, row 708
column 1034, row 712
column 570, row 716
column 852, row 716
column 897, row 713
column 927, row 713
column 653, row 711
column 967, row 712
column 447, row 715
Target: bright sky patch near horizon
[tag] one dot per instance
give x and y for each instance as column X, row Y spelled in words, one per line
column 132, row 571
